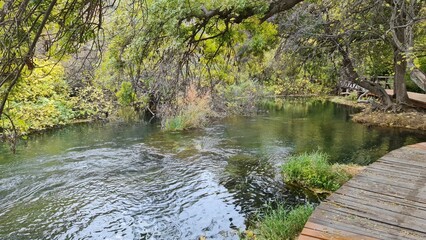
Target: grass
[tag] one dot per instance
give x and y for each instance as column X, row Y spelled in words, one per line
column 313, row 171
column 195, row 110
column 308, row 170
column 281, row 224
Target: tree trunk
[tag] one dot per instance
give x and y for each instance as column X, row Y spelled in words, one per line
column 400, row 67
column 402, row 36
column 354, row 77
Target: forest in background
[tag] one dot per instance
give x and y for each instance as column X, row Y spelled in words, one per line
column 186, row 61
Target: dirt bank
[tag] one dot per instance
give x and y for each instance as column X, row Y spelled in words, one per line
column 411, row 119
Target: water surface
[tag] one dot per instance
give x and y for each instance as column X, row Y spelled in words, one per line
column 132, row 181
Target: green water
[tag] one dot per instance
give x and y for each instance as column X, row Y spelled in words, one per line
column 132, row 181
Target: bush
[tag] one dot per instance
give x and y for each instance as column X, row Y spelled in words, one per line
column 297, row 86
column 126, row 95
column 353, row 96
column 91, row 102
column 282, row 224
column 40, row 100
column 194, row 111
column 313, row 171
column 241, row 98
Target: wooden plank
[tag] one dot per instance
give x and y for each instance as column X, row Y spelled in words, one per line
column 384, row 187
column 305, row 237
column 397, row 162
column 324, row 232
column 348, row 223
column 396, row 184
column 385, row 178
column 420, row 146
column 374, row 196
column 315, row 234
column 380, row 215
column 363, row 226
column 381, row 172
column 399, row 167
column 385, row 201
column 406, row 158
column 389, row 192
column 394, row 207
column 417, row 97
column 389, row 211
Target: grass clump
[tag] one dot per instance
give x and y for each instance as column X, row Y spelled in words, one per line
column 314, row 172
column 194, row 111
column 282, row 224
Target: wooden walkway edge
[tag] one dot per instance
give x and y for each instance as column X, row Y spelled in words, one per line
column 385, row 201
column 418, row 99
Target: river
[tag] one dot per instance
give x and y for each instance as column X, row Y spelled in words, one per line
column 133, row 181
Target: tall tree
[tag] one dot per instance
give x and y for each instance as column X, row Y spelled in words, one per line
column 405, row 15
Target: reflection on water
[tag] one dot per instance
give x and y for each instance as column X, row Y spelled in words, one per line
column 132, row 181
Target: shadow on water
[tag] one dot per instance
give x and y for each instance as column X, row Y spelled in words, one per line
column 133, row 181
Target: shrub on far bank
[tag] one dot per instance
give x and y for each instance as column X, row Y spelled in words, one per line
column 314, row 172
column 40, row 100
column 240, row 98
column 281, row 224
column 194, row 112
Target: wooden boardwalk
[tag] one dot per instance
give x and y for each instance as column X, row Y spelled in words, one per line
column 418, row 98
column 385, row 201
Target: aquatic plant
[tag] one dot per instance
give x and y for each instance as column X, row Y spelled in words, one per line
column 313, row 171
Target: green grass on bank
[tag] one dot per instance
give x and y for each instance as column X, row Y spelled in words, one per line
column 281, row 224
column 313, row 171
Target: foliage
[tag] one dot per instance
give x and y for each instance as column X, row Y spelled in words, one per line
column 422, row 61
column 297, row 86
column 280, row 224
column 40, row 100
column 126, row 95
column 241, row 98
column 52, row 28
column 353, row 96
column 193, row 113
column 91, row 102
column 314, row 172
column 212, row 53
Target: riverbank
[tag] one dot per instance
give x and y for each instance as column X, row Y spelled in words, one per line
column 312, row 175
column 414, row 120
